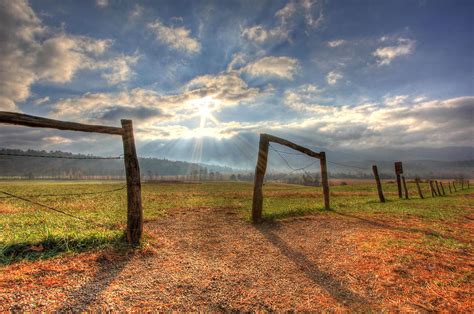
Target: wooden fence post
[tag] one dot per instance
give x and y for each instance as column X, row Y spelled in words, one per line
column 442, row 188
column 432, row 190
column 467, row 184
column 324, row 179
column 437, row 188
column 379, row 185
column 398, row 172
column 399, row 186
column 462, row 184
column 405, row 187
column 260, row 169
column 454, row 186
column 449, row 184
column 420, row 193
column 132, row 172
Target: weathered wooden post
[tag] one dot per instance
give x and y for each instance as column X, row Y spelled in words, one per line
column 324, row 179
column 467, row 184
column 442, row 188
column 405, row 187
column 462, row 184
column 432, row 190
column 398, row 172
column 134, row 209
column 379, row 185
column 420, row 193
column 449, row 184
column 260, row 169
column 437, row 188
column 132, row 172
column 454, row 186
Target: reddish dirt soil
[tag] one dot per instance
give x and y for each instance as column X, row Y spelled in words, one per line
column 211, row 259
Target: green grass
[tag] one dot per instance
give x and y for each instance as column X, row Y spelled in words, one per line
column 24, row 226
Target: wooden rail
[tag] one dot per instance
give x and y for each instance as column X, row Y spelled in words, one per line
column 134, row 204
column 39, row 122
column 261, row 167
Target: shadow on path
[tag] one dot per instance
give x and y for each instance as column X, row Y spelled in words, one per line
column 323, row 279
column 79, row 300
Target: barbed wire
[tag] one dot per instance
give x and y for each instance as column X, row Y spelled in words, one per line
column 288, row 164
column 332, row 162
column 71, row 194
column 55, row 210
column 62, row 157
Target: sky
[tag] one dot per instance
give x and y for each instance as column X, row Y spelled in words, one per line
column 201, row 79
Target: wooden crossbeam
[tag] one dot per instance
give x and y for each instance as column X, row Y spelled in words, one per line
column 39, row 122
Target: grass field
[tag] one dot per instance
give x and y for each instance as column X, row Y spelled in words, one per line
column 201, row 252
column 26, row 228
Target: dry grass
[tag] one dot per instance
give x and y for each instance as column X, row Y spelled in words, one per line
column 209, row 258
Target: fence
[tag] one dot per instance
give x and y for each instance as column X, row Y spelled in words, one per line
column 132, row 170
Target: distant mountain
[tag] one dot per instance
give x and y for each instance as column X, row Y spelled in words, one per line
column 340, row 165
column 241, row 152
column 39, row 164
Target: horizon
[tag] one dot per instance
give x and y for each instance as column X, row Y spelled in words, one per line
column 201, row 80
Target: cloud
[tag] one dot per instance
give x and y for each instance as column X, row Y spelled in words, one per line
column 150, row 109
column 41, row 101
column 397, row 121
column 177, row 38
column 336, row 43
column 136, row 12
column 287, row 20
column 102, row 3
column 119, row 69
column 387, row 54
column 31, row 52
column 333, row 76
column 396, row 100
column 305, row 98
column 278, row 67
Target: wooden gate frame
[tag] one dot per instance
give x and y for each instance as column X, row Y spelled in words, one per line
column 132, row 170
column 261, row 167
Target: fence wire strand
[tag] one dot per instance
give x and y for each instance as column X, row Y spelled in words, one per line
column 60, row 157
column 71, row 194
column 55, row 210
column 279, row 152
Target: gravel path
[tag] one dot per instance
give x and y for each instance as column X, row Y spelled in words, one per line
column 211, row 259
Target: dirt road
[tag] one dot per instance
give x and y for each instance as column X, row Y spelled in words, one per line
column 212, row 259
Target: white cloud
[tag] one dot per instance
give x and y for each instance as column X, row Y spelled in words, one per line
column 333, row 76
column 102, row 3
column 177, row 38
column 395, row 100
column 41, row 100
column 214, row 91
column 136, row 12
column 31, row 52
column 336, row 43
column 120, row 69
column 238, row 59
column 304, row 98
column 387, row 54
column 397, row 120
column 286, row 22
column 279, row 67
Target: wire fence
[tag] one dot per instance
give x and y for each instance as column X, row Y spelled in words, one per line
column 279, row 152
column 55, row 209
column 60, row 157
column 70, row 194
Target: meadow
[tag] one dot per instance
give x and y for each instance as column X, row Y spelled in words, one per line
column 202, row 252
column 29, row 231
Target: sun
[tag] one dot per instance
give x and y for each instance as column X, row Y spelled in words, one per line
column 204, row 112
